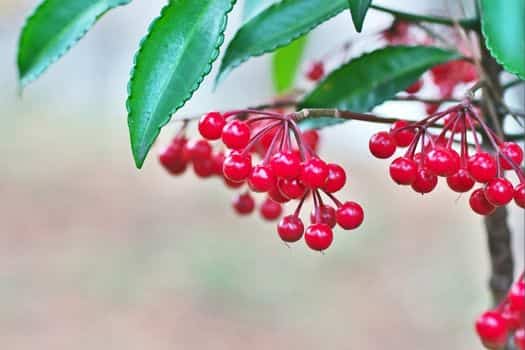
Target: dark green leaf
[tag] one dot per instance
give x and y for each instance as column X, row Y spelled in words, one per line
column 172, row 61
column 54, row 27
column 373, row 78
column 253, row 7
column 277, row 26
column 286, row 61
column 503, row 26
column 358, row 9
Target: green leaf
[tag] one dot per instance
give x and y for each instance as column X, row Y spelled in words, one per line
column 358, row 9
column 286, row 61
column 371, row 79
column 277, row 26
column 54, row 27
column 170, row 64
column 503, row 26
column 253, row 7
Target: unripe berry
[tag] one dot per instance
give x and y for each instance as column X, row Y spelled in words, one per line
column 519, row 195
column 244, row 204
column 513, row 151
column 261, row 178
column 336, row 178
column 442, row 161
column 425, row 182
column 350, row 215
column 237, row 167
column 482, row 167
column 318, row 236
column 403, row 171
column 286, row 164
column 290, row 228
column 314, row 173
column 211, row 125
column 403, row 137
column 492, row 330
column 382, row 145
column 271, row 210
column 461, row 181
column 324, row 214
column 291, row 188
column 315, row 71
column 415, row 87
column 499, row 191
column 236, row 134
column 198, row 149
column 479, row 203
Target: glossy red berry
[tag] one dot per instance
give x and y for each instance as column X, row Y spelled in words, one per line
column 512, row 318
column 461, row 181
column 517, row 297
column 403, row 171
column 319, row 236
column 499, row 191
column 270, row 209
column 203, row 168
column 237, row 167
column 492, row 329
column 311, row 139
column 218, row 159
column 350, row 215
column 414, row 88
column 275, row 194
column 232, row 184
column 172, row 157
column 425, row 181
column 211, row 125
column 314, row 172
column 441, row 161
column 286, row 164
column 236, row 134
column 519, row 195
column 291, row 188
column 198, row 149
column 382, row 145
column 325, row 214
column 482, row 167
column 290, row 228
column 479, row 203
column 315, row 71
column 402, row 136
column 261, row 178
column 336, row 178
column 514, row 152
column 519, row 339
column 244, row 204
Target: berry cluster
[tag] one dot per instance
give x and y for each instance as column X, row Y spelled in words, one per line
column 494, row 327
column 289, row 169
column 438, row 158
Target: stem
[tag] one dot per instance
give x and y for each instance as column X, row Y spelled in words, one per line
column 512, row 84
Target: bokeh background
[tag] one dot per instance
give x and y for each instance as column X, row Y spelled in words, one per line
column 97, row 255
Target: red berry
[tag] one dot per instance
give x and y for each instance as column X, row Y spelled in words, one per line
column 271, row 210
column 479, row 203
column 232, row 184
column 350, row 215
column 291, row 188
column 203, row 167
column 314, row 173
column 210, row 125
column 461, row 181
column 403, row 170
column 425, row 181
column 275, row 194
column 482, row 167
column 336, row 178
column 513, row 151
column 286, row 164
column 442, row 161
column 412, row 89
column 315, row 71
column 492, row 330
column 290, row 228
column 499, row 191
column 243, row 204
column 198, row 149
column 431, row 108
column 318, row 236
column 403, row 137
column 382, row 145
column 261, row 178
column 237, row 167
column 326, row 215
column 172, row 157
column 519, row 195
column 519, row 338
column 311, row 139
column 236, row 134
column 517, row 297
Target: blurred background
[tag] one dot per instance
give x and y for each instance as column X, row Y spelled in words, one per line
column 95, row 254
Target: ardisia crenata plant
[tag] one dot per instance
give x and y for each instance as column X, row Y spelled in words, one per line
column 458, row 68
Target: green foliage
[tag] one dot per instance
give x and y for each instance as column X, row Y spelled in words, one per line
column 286, row 62
column 54, row 27
column 503, row 26
column 170, row 64
column 371, row 79
column 275, row 27
column 358, row 10
column 253, row 7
